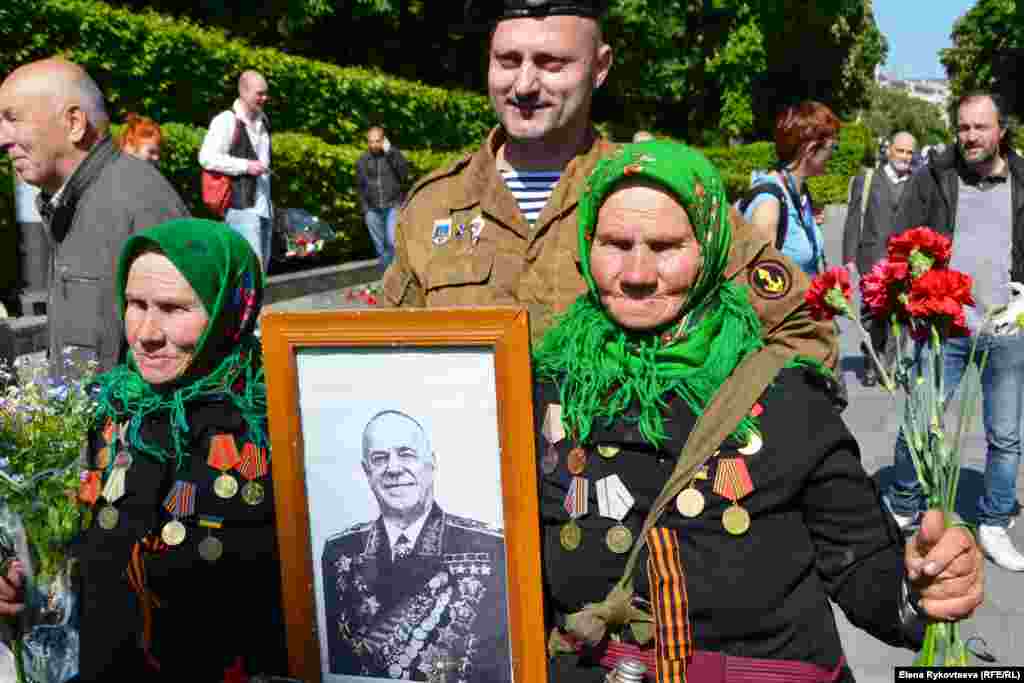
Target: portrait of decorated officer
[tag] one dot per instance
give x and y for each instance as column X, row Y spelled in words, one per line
column 416, row 591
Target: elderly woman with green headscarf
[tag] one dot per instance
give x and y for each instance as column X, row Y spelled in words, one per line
column 701, row 498
column 179, row 566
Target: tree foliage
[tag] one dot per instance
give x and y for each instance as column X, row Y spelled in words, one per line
column 988, row 48
column 894, row 110
column 684, row 67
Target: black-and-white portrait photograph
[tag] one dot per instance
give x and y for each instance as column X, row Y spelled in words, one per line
column 403, row 479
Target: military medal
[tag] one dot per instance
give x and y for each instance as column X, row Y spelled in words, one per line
column 224, row 456
column 254, row 465
column 476, row 228
column 615, row 501
column 113, row 489
column 736, row 520
column 108, row 517
column 549, row 463
column 252, row 493
column 181, row 503
column 576, row 461
column 690, row 502
column 552, row 429
column 732, row 481
column 577, row 504
column 753, row 445
column 210, row 548
column 608, row 452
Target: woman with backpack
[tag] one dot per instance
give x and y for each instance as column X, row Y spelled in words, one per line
column 778, row 203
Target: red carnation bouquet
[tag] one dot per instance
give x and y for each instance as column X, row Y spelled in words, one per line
column 923, row 299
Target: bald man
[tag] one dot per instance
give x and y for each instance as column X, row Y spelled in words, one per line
column 55, row 129
column 417, row 584
column 246, row 158
column 869, row 224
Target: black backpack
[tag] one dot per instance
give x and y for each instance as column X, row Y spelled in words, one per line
column 777, row 192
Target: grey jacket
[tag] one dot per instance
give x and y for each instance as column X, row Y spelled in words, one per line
column 865, row 236
column 109, row 197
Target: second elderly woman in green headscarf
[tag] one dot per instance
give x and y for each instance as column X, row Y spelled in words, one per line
column 179, row 567
column 701, row 498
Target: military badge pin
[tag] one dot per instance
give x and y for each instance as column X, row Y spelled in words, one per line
column 442, row 231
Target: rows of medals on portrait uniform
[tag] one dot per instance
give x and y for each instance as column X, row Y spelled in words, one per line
column 614, row 500
column 114, row 459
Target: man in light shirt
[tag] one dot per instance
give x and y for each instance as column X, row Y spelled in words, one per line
column 238, row 144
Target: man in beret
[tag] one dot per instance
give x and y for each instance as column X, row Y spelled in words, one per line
column 499, row 226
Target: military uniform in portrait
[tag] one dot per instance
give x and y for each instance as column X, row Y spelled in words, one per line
column 399, row 617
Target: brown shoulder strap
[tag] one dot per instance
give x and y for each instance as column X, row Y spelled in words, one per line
column 730, row 404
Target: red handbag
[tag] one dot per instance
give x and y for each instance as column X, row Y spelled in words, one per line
column 217, row 186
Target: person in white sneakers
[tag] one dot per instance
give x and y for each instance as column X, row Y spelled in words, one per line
column 247, row 159
column 974, row 194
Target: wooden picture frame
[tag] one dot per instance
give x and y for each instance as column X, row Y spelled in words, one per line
column 344, row 362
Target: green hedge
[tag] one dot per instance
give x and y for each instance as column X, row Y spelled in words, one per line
column 172, row 70
column 308, row 174
column 736, row 163
column 10, row 271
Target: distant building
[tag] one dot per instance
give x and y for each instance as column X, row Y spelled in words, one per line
column 933, row 90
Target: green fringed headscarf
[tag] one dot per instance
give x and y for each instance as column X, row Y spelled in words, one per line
column 602, row 368
column 226, row 275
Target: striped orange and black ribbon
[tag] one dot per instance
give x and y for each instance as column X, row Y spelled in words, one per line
column 673, row 637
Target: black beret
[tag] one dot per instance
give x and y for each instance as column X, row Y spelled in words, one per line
column 490, row 11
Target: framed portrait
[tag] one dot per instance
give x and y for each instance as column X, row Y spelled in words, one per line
column 404, row 475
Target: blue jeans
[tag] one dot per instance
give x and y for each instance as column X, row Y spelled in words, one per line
column 381, row 224
column 256, row 230
column 1002, row 383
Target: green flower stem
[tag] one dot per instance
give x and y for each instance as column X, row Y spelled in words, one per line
column 19, row 665
column 887, row 381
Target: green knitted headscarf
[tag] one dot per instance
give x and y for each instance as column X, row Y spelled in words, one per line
column 225, row 273
column 602, row 368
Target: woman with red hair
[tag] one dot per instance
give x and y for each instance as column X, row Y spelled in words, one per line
column 141, row 138
column 806, row 134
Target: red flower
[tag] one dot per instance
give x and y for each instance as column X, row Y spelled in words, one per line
column 829, row 294
column 874, row 288
column 940, row 296
column 924, row 240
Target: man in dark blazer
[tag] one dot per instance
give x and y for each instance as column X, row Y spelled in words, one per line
column 416, row 589
column 869, row 224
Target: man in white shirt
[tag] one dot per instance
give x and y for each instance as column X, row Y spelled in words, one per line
column 247, row 159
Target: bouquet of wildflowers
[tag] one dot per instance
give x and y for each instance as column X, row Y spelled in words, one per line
column 43, row 427
column 923, row 299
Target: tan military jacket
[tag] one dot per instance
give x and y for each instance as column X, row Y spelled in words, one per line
column 439, row 262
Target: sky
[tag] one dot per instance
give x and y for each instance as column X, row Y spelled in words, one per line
column 916, row 31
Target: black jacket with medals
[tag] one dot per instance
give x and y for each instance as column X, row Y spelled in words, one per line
column 212, row 613
column 397, row 618
column 817, row 533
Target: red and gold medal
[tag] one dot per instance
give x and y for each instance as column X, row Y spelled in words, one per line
column 254, row 465
column 732, row 481
column 223, row 456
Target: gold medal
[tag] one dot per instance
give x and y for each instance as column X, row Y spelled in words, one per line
column 619, row 539
column 210, row 549
column 608, row 452
column 736, row 520
column 571, row 535
column 108, row 517
column 225, row 486
column 173, row 533
column 252, row 493
column 690, row 502
column 576, row 461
